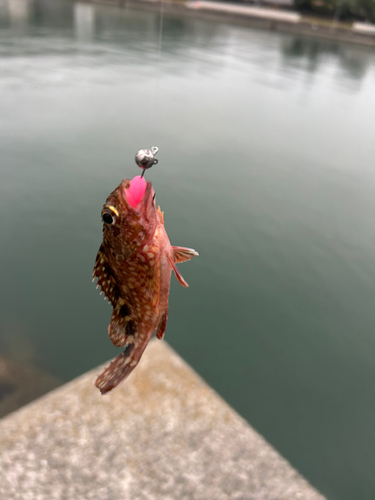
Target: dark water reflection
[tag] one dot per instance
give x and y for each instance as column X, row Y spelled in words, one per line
column 266, row 167
column 311, row 54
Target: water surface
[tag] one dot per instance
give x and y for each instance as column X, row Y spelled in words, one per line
column 266, row 167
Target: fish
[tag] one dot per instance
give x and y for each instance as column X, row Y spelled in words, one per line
column 133, row 269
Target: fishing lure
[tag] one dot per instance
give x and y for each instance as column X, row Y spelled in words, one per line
column 133, row 267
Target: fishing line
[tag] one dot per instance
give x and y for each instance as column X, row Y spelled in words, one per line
column 158, row 62
column 145, row 158
column 161, row 23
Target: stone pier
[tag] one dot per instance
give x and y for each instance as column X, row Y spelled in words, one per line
column 163, row 434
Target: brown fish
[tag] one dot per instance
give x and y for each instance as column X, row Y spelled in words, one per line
column 133, row 267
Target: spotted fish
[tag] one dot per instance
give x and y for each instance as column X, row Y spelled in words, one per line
column 133, row 268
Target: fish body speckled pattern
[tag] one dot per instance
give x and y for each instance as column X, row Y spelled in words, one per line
column 133, row 268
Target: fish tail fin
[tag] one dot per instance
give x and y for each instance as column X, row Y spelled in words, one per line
column 182, row 254
column 160, row 331
column 119, row 368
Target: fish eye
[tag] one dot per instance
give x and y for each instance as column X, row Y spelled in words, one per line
column 109, row 215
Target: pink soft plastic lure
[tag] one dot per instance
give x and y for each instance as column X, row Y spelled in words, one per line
column 136, row 190
column 133, row 268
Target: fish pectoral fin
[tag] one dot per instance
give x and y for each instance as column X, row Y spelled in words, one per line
column 119, row 368
column 182, row 254
column 179, row 276
column 122, row 326
column 160, row 331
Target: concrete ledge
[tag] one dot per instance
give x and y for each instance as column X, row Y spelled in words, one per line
column 240, row 10
column 164, row 434
column 254, row 17
column 365, row 28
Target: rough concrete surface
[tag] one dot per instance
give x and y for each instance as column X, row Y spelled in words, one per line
column 163, row 434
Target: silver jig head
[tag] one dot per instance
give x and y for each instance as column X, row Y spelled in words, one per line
column 145, row 158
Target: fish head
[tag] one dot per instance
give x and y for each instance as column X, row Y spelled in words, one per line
column 127, row 226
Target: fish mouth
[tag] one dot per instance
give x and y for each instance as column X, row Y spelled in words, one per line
column 137, row 203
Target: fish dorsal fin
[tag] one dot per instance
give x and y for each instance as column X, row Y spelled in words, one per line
column 179, row 276
column 182, row 254
column 161, row 215
column 106, row 280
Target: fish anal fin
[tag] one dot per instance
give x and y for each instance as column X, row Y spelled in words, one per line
column 182, row 254
column 162, row 326
column 179, row 276
column 122, row 326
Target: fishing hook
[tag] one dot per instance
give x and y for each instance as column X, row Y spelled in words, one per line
column 145, row 158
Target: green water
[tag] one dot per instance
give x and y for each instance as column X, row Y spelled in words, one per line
column 266, row 167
